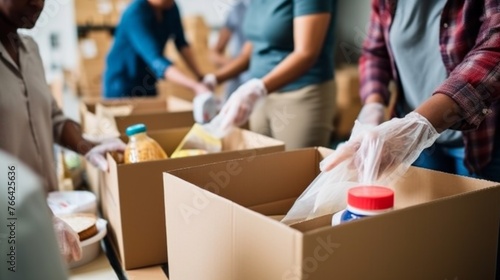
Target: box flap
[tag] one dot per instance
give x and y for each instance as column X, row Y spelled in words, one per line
column 238, row 180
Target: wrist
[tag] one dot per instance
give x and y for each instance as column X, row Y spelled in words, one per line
column 374, row 98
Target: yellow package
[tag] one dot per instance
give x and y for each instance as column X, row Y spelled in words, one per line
column 197, row 141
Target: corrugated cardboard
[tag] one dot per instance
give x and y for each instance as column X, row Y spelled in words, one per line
column 132, row 195
column 444, row 227
column 155, row 113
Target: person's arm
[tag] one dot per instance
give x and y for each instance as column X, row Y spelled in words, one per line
column 188, row 57
column 217, row 53
column 71, row 138
column 465, row 97
column 236, row 66
column 374, row 63
column 309, row 36
column 144, row 42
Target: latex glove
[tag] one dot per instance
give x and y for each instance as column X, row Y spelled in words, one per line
column 392, row 146
column 205, row 107
column 210, row 81
column 372, row 113
column 240, row 104
column 68, row 240
column 97, row 155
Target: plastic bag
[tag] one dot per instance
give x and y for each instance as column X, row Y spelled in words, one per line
column 201, row 139
column 327, row 194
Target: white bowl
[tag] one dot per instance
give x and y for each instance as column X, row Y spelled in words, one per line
column 91, row 247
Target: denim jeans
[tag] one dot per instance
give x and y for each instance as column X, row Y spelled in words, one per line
column 451, row 160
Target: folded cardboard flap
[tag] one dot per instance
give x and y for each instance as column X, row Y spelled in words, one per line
column 443, row 222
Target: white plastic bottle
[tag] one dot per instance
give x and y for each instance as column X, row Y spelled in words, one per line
column 365, row 201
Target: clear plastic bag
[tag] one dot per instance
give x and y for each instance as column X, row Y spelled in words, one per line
column 382, row 154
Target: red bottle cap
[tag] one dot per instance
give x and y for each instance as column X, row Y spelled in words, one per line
column 371, row 198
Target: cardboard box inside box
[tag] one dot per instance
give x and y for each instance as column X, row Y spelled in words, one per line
column 445, row 226
column 155, row 113
column 132, row 194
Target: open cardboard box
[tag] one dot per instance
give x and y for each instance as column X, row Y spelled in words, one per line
column 218, row 225
column 132, row 194
column 155, row 113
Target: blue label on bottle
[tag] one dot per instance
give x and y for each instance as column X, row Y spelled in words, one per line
column 349, row 216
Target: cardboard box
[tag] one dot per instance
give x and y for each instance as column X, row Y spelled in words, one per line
column 132, row 195
column 445, row 226
column 156, row 113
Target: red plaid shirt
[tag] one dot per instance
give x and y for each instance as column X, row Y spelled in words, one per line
column 470, row 48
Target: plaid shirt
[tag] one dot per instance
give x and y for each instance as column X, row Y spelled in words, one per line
column 470, row 48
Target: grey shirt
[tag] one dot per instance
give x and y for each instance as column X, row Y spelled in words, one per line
column 30, row 236
column 30, row 120
column 414, row 38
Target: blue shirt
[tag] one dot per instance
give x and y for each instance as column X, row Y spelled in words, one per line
column 269, row 26
column 135, row 61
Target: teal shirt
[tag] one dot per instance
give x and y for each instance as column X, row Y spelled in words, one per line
column 269, row 26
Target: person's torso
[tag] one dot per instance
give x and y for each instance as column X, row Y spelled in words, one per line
column 25, row 112
column 269, row 26
column 125, row 68
column 414, row 39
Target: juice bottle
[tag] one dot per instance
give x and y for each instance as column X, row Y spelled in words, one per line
column 140, row 146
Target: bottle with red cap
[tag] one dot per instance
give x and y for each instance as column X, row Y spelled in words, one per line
column 365, row 201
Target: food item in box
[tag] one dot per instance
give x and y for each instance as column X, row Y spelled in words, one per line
column 141, row 147
column 199, row 139
column 83, row 224
column 189, row 153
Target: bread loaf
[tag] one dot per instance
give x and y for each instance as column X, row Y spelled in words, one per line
column 83, row 224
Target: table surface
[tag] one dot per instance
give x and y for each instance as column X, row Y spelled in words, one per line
column 98, row 269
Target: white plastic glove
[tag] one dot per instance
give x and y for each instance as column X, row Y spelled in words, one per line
column 97, row 155
column 68, row 240
column 210, row 81
column 372, row 113
column 240, row 104
column 392, row 146
column 205, row 107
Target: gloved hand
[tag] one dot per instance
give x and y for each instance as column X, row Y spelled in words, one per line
column 392, row 146
column 372, row 113
column 210, row 81
column 97, row 155
column 68, row 240
column 240, row 104
column 205, row 107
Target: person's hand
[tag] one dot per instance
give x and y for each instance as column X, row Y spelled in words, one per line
column 68, row 240
column 210, row 81
column 372, row 114
column 240, row 104
column 97, row 155
column 201, row 88
column 379, row 150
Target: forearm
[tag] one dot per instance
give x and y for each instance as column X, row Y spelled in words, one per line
column 290, row 69
column 175, row 75
column 441, row 111
column 235, row 66
column 188, row 57
column 71, row 138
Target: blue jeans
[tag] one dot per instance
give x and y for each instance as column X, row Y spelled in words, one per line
column 451, row 160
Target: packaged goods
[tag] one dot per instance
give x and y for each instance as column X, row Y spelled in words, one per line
column 365, row 201
column 141, row 147
column 198, row 141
